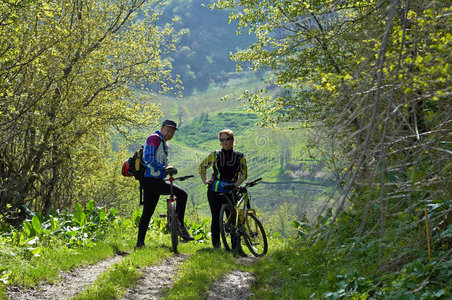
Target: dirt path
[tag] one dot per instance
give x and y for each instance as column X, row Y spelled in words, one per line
column 155, row 279
column 69, row 283
column 235, row 285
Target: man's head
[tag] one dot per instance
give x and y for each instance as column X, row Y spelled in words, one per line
column 168, row 129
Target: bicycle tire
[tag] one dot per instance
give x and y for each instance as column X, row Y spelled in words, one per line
column 227, row 226
column 174, row 226
column 254, row 236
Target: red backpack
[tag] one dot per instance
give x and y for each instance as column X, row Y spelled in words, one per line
column 134, row 166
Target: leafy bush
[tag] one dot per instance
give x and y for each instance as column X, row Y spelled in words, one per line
column 83, row 228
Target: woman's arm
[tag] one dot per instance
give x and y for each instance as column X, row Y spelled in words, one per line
column 205, row 164
column 242, row 172
column 203, row 178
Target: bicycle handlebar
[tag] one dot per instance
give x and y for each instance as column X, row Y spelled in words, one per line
column 182, row 178
column 253, row 183
column 231, row 186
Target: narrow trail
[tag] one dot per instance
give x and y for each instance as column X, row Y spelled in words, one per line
column 68, row 285
column 155, row 279
column 234, row 285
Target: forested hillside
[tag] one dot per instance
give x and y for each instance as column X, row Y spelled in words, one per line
column 342, row 107
column 202, row 58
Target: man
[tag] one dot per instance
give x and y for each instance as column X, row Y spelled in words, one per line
column 155, row 157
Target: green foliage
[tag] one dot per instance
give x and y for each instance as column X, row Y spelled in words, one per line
column 374, row 77
column 202, row 60
column 196, row 275
column 58, row 233
column 328, row 270
column 66, row 70
column 198, row 230
column 112, row 282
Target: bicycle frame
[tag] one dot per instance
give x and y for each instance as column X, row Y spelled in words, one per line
column 171, row 216
column 244, row 200
column 245, row 223
column 241, row 213
column 171, row 198
column 171, row 179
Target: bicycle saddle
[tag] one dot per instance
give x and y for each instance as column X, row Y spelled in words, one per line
column 170, row 170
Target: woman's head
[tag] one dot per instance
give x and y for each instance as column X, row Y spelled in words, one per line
column 226, row 137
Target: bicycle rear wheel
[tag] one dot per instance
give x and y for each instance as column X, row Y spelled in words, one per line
column 174, row 225
column 254, row 236
column 227, row 226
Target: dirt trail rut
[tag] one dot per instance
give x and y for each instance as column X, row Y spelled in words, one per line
column 235, row 285
column 69, row 283
column 155, row 279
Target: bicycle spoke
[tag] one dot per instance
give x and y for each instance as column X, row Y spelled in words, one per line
column 227, row 219
column 254, row 236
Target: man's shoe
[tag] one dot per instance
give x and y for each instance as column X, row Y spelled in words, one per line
column 138, row 247
column 241, row 253
column 140, row 244
column 185, row 235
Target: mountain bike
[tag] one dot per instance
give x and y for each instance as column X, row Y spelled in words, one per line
column 238, row 220
column 172, row 222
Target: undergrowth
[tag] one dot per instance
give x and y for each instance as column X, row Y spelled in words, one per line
column 336, row 264
column 332, row 264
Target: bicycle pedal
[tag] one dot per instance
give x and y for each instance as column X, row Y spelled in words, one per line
column 162, row 215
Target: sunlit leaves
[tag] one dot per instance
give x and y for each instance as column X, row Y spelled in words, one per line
column 377, row 78
column 68, row 73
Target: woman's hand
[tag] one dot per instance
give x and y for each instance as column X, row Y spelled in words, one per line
column 238, row 183
column 204, row 180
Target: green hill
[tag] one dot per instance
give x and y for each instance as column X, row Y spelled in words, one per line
column 291, row 181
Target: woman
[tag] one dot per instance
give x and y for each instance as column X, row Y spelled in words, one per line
column 229, row 166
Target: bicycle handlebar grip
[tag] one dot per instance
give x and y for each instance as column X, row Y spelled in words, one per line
column 254, row 182
column 186, row 177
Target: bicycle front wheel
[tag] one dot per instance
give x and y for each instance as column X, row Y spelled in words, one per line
column 174, row 225
column 227, row 226
column 255, row 237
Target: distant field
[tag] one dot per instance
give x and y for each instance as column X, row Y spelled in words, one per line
column 187, row 108
column 292, row 183
column 278, row 157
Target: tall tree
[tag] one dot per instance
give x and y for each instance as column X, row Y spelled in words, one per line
column 378, row 76
column 67, row 74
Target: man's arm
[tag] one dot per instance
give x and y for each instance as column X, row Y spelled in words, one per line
column 150, row 150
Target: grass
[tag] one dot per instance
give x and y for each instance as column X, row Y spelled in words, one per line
column 28, row 270
column 289, row 273
column 292, row 268
column 114, row 282
column 197, row 274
